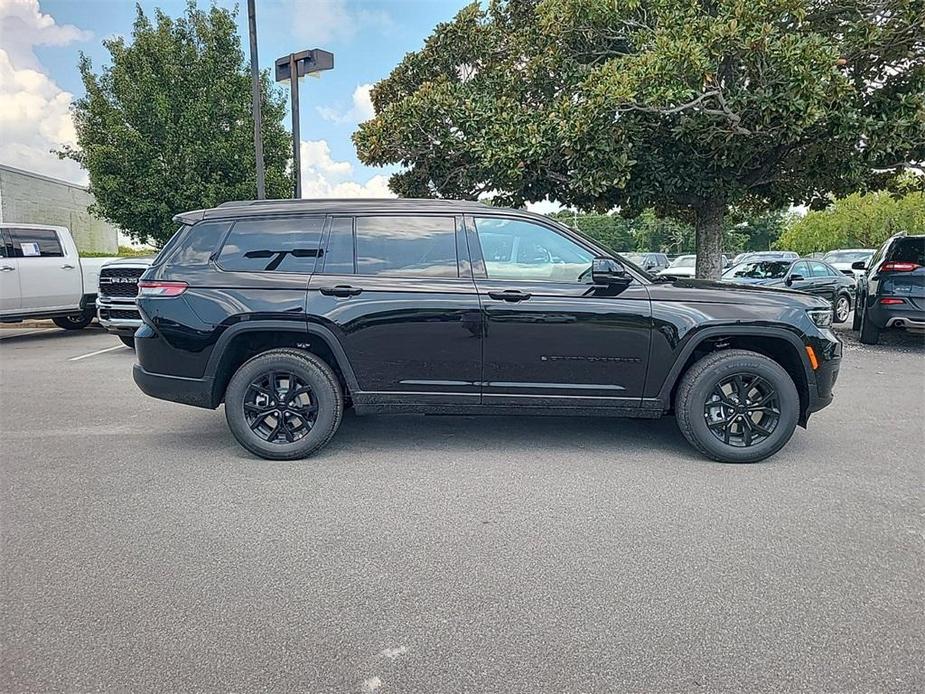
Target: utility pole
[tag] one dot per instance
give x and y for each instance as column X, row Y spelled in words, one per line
column 255, row 101
column 291, row 67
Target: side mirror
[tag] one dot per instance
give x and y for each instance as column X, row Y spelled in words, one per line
column 795, row 278
column 607, row 271
column 859, row 265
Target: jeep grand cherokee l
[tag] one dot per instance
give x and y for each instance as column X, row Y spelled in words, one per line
column 290, row 311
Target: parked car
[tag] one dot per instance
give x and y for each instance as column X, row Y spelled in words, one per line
column 753, row 256
column 844, row 259
column 650, row 262
column 115, row 303
column 891, row 292
column 686, row 266
column 43, row 276
column 811, row 276
column 290, row 311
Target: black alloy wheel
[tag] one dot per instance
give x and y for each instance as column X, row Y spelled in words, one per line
column 743, row 410
column 279, row 407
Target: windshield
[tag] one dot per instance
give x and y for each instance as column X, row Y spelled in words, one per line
column 760, row 270
column 847, row 256
column 684, row 261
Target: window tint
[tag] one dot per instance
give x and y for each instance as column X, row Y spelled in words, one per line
column 273, row 245
column 801, row 269
column 909, row 250
column 819, row 270
column 514, row 249
column 338, row 256
column 168, row 247
column 35, row 243
column 196, row 246
column 407, row 246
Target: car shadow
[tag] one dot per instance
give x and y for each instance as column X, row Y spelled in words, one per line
column 53, row 333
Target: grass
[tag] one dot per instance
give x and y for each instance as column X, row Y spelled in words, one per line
column 124, row 252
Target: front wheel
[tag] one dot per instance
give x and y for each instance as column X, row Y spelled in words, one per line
column 842, row 308
column 737, row 406
column 75, row 321
column 284, row 404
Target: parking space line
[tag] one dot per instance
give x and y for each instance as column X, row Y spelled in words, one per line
column 99, row 351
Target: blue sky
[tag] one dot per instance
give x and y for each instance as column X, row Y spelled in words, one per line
column 40, row 41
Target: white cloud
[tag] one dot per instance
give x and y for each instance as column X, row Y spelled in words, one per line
column 34, row 110
column 361, row 109
column 544, row 207
column 320, row 21
column 325, row 177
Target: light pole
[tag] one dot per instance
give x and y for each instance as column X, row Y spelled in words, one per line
column 255, row 100
column 291, row 67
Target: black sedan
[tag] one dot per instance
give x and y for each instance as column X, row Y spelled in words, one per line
column 810, row 276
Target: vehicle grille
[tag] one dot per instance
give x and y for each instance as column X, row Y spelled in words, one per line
column 121, row 314
column 121, row 282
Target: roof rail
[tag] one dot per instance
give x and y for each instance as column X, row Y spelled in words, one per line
column 308, row 201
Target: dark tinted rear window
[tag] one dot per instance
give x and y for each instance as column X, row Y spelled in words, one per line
column 408, row 246
column 35, row 243
column 908, row 250
column 291, row 244
column 196, row 246
column 338, row 256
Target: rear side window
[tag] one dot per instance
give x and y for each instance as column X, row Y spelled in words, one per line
column 35, row 243
column 819, row 270
column 291, row 244
column 408, row 246
column 338, row 256
column 165, row 252
column 908, row 250
column 197, row 245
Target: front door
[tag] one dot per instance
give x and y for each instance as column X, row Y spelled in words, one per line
column 397, row 292
column 10, row 297
column 551, row 337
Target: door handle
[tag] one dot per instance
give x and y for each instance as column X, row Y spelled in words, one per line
column 6, row 268
column 509, row 295
column 340, row 290
column 67, row 266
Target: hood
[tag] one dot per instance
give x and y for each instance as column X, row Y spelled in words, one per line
column 140, row 260
column 708, row 291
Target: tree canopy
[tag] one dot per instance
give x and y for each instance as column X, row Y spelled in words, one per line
column 167, row 127
column 856, row 221
column 688, row 107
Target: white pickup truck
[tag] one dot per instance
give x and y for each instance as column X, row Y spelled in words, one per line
column 43, row 276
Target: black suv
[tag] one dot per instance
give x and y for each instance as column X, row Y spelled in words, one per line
column 291, row 311
column 891, row 292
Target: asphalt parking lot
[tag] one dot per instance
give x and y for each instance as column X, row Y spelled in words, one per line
column 142, row 549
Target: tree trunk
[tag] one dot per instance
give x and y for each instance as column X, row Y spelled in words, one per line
column 709, row 225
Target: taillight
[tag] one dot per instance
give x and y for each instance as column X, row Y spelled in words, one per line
column 899, row 267
column 887, row 301
column 159, row 288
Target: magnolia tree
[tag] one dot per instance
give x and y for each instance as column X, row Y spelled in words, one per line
column 167, row 126
column 688, row 107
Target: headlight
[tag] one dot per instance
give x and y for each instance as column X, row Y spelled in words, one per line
column 822, row 317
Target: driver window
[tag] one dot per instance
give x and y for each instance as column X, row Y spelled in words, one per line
column 801, row 269
column 514, row 249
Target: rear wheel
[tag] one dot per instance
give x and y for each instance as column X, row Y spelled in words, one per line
column 75, row 321
column 737, row 406
column 842, row 308
column 869, row 333
column 284, row 404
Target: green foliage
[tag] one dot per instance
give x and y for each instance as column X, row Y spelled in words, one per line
column 167, row 126
column 688, row 108
column 857, row 221
column 123, row 252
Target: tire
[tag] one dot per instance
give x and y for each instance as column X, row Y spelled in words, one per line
column 128, row 341
column 74, row 322
column 699, row 385
column 842, row 308
column 858, row 307
column 869, row 333
column 323, row 395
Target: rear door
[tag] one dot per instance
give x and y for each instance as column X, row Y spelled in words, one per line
column 824, row 283
column 48, row 279
column 397, row 291
column 10, row 297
